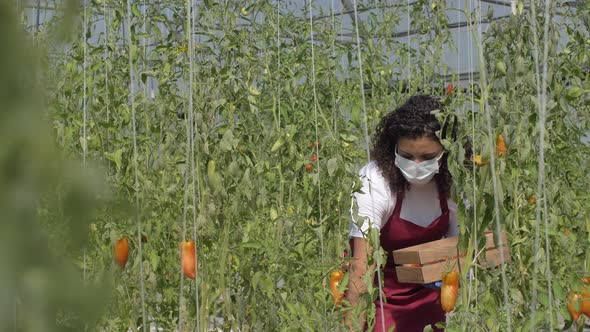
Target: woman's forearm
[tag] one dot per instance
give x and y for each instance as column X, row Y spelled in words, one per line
column 353, row 296
column 355, row 317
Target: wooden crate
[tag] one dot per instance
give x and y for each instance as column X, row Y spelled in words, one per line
column 426, row 262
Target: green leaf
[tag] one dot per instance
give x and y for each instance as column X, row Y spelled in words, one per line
column 544, row 298
column 558, row 291
column 251, row 245
column 278, row 144
column 155, row 261
column 115, row 157
column 348, row 138
column 574, row 92
column 516, row 296
column 159, row 18
column 501, row 67
column 332, row 166
column 228, row 142
column 135, row 10
column 273, row 214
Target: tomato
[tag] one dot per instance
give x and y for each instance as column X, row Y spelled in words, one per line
column 317, row 143
column 532, row 200
column 586, row 302
column 449, row 89
column 335, row 278
column 314, row 158
column 500, row 146
column 449, row 290
column 308, row 167
column 478, row 160
column 122, row 251
column 574, row 299
column 188, row 259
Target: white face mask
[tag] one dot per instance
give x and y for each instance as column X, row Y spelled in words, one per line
column 417, row 173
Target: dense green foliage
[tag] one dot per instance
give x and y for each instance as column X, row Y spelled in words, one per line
column 269, row 232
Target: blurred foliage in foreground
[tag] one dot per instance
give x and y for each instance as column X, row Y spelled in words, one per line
column 41, row 289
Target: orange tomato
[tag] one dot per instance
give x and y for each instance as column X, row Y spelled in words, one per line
column 532, row 200
column 188, row 259
column 500, row 146
column 122, row 251
column 586, row 302
column 449, row 290
column 335, row 278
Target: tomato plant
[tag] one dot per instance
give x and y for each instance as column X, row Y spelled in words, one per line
column 214, row 133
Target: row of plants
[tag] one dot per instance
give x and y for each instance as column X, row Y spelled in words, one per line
column 249, row 146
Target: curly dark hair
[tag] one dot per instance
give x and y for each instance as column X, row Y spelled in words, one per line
column 414, row 119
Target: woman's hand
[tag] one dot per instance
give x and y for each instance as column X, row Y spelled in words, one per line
column 356, row 286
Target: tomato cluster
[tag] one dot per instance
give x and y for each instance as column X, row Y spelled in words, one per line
column 314, row 157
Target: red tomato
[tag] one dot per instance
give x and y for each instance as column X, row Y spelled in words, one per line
column 449, row 89
column 314, row 158
column 122, row 251
column 308, row 167
column 317, row 143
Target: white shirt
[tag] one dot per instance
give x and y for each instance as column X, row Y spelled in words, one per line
column 421, row 204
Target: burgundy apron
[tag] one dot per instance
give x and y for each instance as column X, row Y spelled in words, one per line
column 410, row 307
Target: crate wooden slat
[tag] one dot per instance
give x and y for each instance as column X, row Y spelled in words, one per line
column 433, row 272
column 434, row 257
column 436, row 250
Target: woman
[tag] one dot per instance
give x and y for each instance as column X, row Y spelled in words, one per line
column 408, row 202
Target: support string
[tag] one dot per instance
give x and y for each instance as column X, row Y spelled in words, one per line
column 136, row 181
column 367, row 142
column 317, row 148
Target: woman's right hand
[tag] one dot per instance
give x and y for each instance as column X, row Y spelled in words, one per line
column 356, row 286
